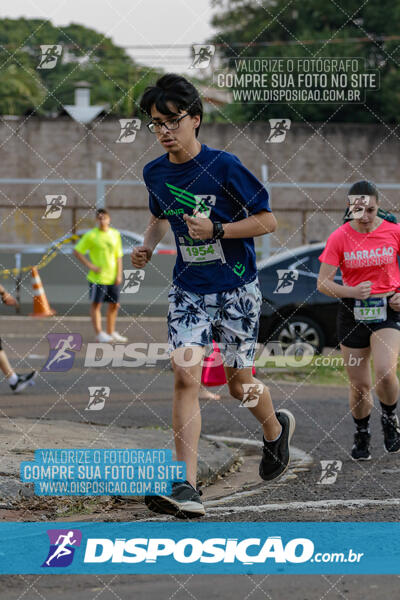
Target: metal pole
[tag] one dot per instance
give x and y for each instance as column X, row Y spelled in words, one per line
column 18, row 262
column 266, row 242
column 100, row 186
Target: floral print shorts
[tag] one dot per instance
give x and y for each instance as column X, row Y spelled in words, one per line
column 229, row 318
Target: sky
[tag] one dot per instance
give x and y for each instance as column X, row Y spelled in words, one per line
column 130, row 22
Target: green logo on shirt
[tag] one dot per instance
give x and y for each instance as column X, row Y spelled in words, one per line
column 173, row 211
column 182, row 196
column 201, row 204
column 239, row 269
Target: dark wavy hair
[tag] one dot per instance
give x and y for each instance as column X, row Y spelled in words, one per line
column 364, row 188
column 174, row 89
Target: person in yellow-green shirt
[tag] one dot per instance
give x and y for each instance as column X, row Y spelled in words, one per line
column 103, row 243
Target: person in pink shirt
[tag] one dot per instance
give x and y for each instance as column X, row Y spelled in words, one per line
column 368, row 324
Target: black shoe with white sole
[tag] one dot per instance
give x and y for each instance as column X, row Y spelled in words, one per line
column 360, row 449
column 391, row 433
column 183, row 503
column 23, row 381
column 276, row 455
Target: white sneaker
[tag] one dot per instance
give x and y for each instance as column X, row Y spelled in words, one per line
column 104, row 337
column 118, row 337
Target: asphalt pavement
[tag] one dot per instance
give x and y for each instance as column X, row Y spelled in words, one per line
column 138, row 411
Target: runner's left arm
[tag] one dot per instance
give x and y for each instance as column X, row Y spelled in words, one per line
column 258, row 224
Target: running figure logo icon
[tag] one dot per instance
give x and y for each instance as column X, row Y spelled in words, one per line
column 62, row 351
column 54, row 207
column 330, row 469
column 204, row 204
column 251, row 395
column 50, row 56
column 132, row 280
column 279, row 129
column 200, row 203
column 286, row 280
column 202, row 56
column 97, row 397
column 357, row 206
column 129, row 127
column 62, row 547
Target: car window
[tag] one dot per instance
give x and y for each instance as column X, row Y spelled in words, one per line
column 316, row 265
column 303, row 264
column 128, row 241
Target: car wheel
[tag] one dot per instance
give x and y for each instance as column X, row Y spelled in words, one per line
column 298, row 329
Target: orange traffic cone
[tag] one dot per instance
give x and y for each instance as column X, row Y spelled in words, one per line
column 41, row 307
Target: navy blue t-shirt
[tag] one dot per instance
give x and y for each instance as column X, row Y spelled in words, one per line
column 213, row 184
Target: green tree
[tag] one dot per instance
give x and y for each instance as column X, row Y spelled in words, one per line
column 87, row 55
column 21, row 90
column 315, row 28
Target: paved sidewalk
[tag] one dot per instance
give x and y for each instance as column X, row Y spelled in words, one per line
column 20, row 437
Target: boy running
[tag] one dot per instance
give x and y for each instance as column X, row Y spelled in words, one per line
column 105, row 273
column 215, row 208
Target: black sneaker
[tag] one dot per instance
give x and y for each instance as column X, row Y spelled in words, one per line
column 276, row 455
column 183, row 503
column 23, row 382
column 391, row 432
column 360, row 449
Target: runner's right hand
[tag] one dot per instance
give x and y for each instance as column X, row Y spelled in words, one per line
column 140, row 256
column 362, row 291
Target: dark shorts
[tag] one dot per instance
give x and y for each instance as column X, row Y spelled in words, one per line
column 356, row 334
column 103, row 293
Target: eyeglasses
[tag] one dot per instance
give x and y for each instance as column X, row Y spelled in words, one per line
column 170, row 124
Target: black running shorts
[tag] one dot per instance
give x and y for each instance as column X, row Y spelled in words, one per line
column 103, row 293
column 356, row 334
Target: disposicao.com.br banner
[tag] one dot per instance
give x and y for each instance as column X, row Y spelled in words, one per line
column 217, row 548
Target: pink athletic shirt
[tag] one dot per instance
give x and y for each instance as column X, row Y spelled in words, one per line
column 366, row 256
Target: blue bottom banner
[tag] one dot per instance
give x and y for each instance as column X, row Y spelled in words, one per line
column 186, row 547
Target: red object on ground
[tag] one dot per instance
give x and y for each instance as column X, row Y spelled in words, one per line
column 213, row 369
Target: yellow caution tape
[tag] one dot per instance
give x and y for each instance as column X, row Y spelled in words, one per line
column 44, row 261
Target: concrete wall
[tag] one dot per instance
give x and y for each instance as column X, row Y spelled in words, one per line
column 60, row 148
